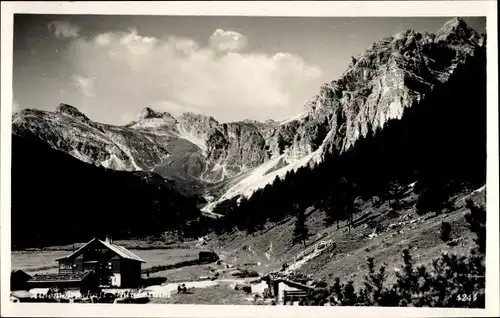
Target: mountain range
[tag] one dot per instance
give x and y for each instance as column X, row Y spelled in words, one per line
column 214, row 162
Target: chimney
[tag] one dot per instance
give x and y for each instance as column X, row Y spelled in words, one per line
column 109, row 239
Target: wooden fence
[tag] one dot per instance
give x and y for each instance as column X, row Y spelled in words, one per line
column 293, row 295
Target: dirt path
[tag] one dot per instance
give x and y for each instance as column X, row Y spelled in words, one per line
column 166, row 290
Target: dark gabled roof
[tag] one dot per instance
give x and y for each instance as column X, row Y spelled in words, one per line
column 60, row 277
column 18, row 272
column 122, row 251
column 119, row 250
column 294, row 284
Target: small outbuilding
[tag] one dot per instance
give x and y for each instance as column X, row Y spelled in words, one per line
column 83, row 281
column 19, row 280
column 206, row 257
column 286, row 291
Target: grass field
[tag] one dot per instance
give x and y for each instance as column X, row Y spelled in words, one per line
column 44, row 261
column 165, row 256
column 272, row 247
column 36, row 262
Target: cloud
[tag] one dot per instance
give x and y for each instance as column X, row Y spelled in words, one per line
column 83, row 84
column 64, row 29
column 226, row 41
column 15, row 106
column 127, row 67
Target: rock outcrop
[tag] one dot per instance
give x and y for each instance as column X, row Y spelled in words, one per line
column 393, row 74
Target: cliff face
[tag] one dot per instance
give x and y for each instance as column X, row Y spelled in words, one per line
column 391, row 75
column 230, row 159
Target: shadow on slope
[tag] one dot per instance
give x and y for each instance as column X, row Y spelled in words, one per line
column 57, row 199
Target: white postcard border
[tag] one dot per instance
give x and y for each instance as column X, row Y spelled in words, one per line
column 253, row 8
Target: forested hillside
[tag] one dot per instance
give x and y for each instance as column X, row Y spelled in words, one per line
column 57, row 199
column 440, row 144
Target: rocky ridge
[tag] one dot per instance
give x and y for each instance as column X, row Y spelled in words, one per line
column 393, row 74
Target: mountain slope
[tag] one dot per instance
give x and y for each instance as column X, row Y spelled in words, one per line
column 392, row 75
column 193, row 150
column 57, row 199
column 222, row 161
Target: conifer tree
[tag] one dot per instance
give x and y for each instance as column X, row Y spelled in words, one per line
column 477, row 223
column 300, row 232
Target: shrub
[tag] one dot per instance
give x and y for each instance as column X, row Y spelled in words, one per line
column 322, row 284
column 445, row 231
column 477, row 223
column 246, row 274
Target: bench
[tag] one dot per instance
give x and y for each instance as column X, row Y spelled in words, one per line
column 293, row 295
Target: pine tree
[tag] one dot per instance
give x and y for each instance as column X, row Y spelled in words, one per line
column 328, row 205
column 477, row 223
column 300, row 232
column 445, row 231
column 346, row 200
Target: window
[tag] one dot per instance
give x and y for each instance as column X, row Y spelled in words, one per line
column 65, row 266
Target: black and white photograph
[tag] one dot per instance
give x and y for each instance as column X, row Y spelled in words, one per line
column 251, row 160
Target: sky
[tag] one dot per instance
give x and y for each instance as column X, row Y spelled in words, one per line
column 230, row 68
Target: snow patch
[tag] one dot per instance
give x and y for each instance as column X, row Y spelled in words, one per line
column 115, row 163
column 200, row 142
column 123, row 147
column 257, row 178
column 297, row 117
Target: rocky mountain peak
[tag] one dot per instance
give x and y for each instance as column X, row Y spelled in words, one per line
column 457, row 31
column 393, row 74
column 148, row 112
column 189, row 116
column 70, row 111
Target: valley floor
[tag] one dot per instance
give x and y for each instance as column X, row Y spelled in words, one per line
column 329, row 252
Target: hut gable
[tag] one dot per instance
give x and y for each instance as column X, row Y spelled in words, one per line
column 19, row 279
column 114, row 265
column 118, row 250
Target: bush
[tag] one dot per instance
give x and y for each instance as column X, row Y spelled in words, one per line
column 245, row 273
column 477, row 223
column 445, row 231
column 322, row 284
